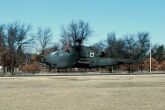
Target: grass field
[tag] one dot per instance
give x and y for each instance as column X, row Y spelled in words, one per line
column 105, row 92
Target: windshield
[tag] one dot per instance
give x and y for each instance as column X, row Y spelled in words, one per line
column 58, row 53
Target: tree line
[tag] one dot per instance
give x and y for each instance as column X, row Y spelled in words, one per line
column 16, row 37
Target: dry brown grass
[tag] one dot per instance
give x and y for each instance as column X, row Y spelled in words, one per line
column 140, row 92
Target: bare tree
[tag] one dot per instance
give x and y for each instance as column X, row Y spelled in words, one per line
column 2, row 36
column 131, row 45
column 143, row 41
column 111, row 39
column 115, row 47
column 51, row 49
column 16, row 37
column 136, row 44
column 111, row 43
column 2, row 45
column 75, row 33
column 55, row 46
column 99, row 47
column 44, row 37
column 158, row 52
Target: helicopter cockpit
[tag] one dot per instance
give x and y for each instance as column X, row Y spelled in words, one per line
column 58, row 53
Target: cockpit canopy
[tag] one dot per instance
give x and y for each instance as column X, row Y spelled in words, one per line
column 58, row 53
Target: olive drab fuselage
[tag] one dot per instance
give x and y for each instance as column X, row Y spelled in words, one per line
column 84, row 57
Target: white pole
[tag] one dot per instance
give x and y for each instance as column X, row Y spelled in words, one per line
column 26, row 64
column 150, row 59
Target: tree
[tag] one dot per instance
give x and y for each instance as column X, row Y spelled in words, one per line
column 131, row 45
column 137, row 44
column 99, row 48
column 111, row 39
column 2, row 45
column 158, row 52
column 2, row 37
column 111, row 42
column 75, row 33
column 16, row 37
column 143, row 41
column 51, row 49
column 44, row 37
column 115, row 47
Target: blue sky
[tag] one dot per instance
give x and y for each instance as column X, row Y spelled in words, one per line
column 120, row 16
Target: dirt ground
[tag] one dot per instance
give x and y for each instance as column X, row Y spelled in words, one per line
column 105, row 92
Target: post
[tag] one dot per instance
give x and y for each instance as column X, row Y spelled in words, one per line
column 26, row 55
column 26, row 64
column 150, row 59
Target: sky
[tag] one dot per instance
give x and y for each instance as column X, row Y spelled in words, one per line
column 104, row 16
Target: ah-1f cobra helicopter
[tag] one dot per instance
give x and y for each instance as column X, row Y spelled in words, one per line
column 84, row 57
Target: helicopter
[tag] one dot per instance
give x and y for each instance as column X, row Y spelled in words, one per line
column 85, row 57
